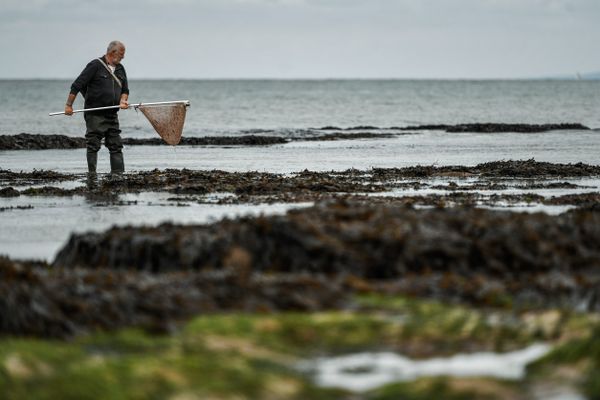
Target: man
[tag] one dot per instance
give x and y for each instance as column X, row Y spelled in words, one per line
column 103, row 82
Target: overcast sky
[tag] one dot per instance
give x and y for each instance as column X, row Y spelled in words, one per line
column 303, row 38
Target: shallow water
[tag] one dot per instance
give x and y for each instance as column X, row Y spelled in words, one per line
column 427, row 148
column 366, row 371
column 39, row 233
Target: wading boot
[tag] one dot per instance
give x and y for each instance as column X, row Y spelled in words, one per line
column 92, row 178
column 117, row 165
column 92, row 181
column 92, row 160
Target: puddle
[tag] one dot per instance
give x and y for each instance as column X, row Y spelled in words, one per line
column 366, row 371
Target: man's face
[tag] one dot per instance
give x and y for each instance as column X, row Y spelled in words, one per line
column 118, row 55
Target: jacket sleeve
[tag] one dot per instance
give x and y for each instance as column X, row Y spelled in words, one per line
column 84, row 78
column 124, row 83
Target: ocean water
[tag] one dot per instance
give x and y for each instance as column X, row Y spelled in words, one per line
column 238, row 106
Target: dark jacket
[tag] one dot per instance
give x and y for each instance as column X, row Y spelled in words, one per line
column 99, row 88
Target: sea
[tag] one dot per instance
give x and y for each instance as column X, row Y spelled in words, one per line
column 237, row 106
column 291, row 109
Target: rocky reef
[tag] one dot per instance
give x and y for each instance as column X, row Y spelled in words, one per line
column 473, row 255
column 28, row 141
column 499, row 127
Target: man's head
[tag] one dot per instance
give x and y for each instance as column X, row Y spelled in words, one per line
column 115, row 52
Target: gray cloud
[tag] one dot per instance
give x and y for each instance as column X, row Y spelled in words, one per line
column 304, row 38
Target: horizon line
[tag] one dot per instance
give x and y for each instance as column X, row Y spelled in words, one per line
column 550, row 78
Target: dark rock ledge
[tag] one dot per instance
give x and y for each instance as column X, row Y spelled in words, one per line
column 309, row 259
column 534, row 259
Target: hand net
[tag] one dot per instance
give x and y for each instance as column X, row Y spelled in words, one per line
column 167, row 120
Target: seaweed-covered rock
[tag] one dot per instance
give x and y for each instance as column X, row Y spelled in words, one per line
column 8, row 177
column 378, row 241
column 474, row 255
column 242, row 140
column 532, row 168
column 304, row 185
column 494, row 169
column 521, row 128
column 35, row 300
column 9, row 192
column 498, row 127
column 27, row 141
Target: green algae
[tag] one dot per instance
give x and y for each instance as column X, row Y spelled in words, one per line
column 447, row 329
column 446, row 388
column 133, row 364
column 255, row 355
column 575, row 362
column 301, row 334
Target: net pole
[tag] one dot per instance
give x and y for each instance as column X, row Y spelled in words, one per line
column 87, row 109
column 158, row 103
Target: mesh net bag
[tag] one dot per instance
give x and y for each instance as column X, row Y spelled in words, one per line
column 167, row 120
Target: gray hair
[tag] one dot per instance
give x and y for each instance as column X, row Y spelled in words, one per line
column 115, row 45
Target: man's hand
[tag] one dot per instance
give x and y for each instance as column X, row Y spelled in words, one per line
column 124, row 104
column 69, row 103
